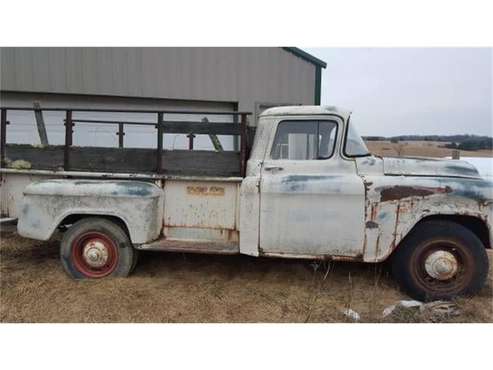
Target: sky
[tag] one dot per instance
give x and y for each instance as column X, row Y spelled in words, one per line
column 397, row 91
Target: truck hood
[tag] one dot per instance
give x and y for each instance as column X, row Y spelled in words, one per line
column 429, row 167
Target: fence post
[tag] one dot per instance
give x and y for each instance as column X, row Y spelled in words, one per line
column 68, row 140
column 243, row 144
column 3, row 136
column 190, row 141
column 120, row 134
column 159, row 151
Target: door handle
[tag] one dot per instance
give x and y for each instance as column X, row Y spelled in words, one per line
column 273, row 168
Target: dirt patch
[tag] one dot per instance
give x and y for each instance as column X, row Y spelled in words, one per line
column 420, row 149
column 171, row 287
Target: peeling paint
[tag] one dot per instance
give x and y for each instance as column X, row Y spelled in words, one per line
column 399, row 203
column 429, row 167
column 371, row 225
column 398, row 192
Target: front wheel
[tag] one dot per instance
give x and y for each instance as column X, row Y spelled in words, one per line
column 95, row 248
column 440, row 260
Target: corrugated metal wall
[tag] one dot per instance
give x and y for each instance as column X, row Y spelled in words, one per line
column 248, row 76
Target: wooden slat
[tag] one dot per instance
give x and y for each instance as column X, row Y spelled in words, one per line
column 3, row 136
column 210, row 128
column 132, row 160
column 49, row 158
column 40, row 123
column 69, row 131
column 243, row 145
column 201, row 163
column 121, row 134
column 159, row 150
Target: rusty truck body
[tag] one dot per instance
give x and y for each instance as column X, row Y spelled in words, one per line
column 304, row 187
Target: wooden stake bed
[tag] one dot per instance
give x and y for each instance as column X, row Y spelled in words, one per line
column 133, row 160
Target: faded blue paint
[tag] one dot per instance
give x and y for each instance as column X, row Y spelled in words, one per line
column 478, row 190
column 133, row 189
column 302, row 183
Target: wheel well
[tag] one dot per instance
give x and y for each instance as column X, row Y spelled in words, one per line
column 72, row 219
column 474, row 224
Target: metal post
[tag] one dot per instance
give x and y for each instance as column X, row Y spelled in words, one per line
column 3, row 137
column 120, row 134
column 68, row 139
column 236, row 142
column 159, row 151
column 190, row 141
column 243, row 144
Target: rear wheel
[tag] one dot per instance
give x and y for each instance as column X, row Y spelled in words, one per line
column 440, row 260
column 96, row 248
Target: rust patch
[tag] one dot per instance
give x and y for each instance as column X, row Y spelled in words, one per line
column 358, row 257
column 377, row 246
column 399, row 192
column 374, row 209
column 205, row 190
column 232, row 235
column 398, row 212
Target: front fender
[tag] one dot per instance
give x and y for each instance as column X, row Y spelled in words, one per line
column 47, row 203
column 395, row 204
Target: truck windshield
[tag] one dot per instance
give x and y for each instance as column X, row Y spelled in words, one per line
column 354, row 146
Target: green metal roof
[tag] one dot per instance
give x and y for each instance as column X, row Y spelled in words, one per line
column 304, row 55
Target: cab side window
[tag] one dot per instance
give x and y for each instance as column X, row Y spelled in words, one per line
column 304, row 140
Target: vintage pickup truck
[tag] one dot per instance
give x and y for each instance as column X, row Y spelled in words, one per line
column 305, row 187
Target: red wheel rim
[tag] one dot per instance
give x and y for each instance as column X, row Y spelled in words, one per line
column 94, row 254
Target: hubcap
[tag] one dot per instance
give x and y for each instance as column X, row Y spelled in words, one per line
column 441, row 265
column 95, row 253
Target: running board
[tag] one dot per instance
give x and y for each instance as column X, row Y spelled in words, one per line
column 191, row 246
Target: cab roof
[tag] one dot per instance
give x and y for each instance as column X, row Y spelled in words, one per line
column 305, row 110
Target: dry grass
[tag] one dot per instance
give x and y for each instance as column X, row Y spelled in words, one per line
column 420, row 149
column 199, row 288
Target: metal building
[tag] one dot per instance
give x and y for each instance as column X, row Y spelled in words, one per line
column 245, row 79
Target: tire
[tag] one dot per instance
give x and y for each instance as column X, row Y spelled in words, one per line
column 96, row 248
column 440, row 260
column 135, row 259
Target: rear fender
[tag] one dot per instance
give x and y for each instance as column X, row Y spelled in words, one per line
column 47, row 203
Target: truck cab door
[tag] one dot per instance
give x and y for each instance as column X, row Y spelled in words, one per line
column 312, row 201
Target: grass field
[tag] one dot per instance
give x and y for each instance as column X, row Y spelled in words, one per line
column 169, row 287
column 420, row 149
